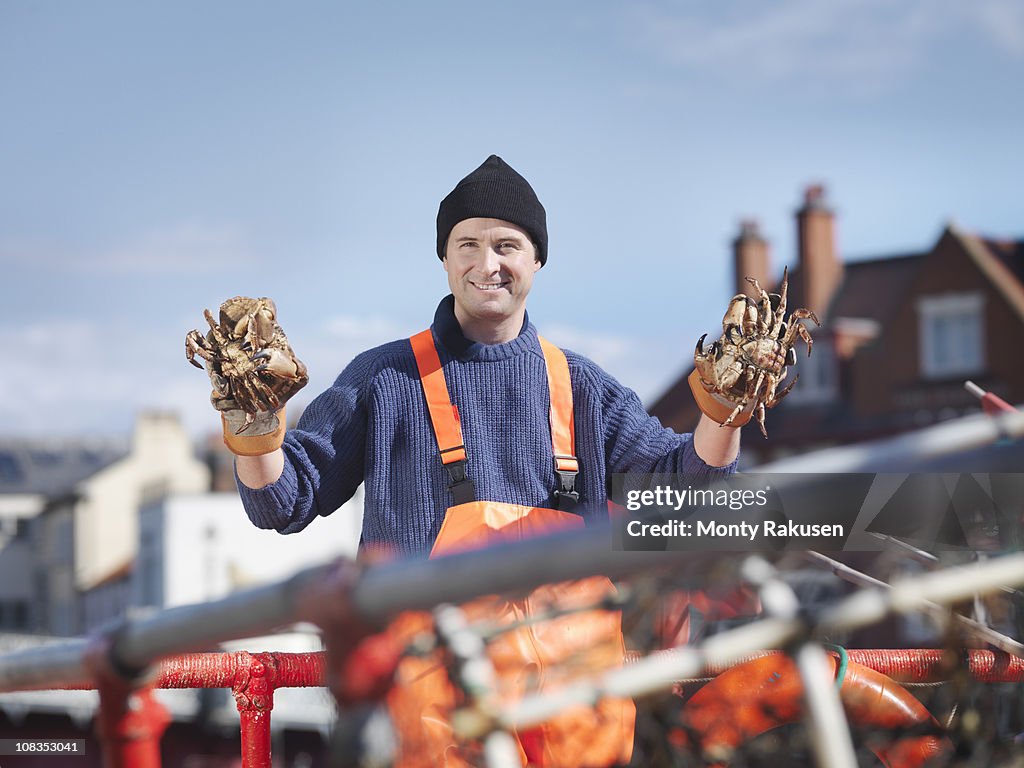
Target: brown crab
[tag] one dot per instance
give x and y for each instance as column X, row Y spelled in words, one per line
column 752, row 332
column 250, row 363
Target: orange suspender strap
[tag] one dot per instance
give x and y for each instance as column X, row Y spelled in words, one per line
column 444, row 417
column 563, row 431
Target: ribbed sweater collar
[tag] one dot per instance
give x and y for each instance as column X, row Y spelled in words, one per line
column 448, row 333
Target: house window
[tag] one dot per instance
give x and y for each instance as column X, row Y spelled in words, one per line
column 952, row 339
column 13, row 614
column 149, row 564
column 10, row 469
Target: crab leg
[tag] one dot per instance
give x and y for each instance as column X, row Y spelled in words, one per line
column 735, row 317
column 218, row 337
column 780, row 310
column 750, row 393
column 786, row 391
column 195, row 344
column 796, row 327
column 247, row 400
column 801, row 314
column 759, row 415
column 765, row 316
column 749, row 316
column 736, row 412
column 773, row 383
column 266, row 395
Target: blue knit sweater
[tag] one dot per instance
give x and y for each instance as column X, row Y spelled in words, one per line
column 372, row 427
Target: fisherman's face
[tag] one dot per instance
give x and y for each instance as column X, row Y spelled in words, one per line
column 490, row 265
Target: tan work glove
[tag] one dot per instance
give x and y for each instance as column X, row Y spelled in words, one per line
column 715, row 406
column 253, row 371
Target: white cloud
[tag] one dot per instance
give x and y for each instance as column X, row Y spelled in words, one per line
column 73, row 377
column 863, row 44
column 1003, row 21
column 369, row 330
column 69, row 376
column 645, row 364
column 185, row 247
column 778, row 40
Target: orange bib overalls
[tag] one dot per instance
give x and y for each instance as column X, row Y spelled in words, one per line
column 527, row 659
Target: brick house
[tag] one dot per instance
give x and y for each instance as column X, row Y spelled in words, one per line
column 900, row 334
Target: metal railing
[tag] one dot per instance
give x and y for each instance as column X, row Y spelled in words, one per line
column 350, row 602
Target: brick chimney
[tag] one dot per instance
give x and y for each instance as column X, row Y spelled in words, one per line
column 821, row 271
column 751, row 258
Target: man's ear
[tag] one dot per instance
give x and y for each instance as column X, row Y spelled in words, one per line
column 537, row 264
column 444, row 263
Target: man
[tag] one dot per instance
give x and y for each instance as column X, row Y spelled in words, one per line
column 474, row 430
column 372, row 426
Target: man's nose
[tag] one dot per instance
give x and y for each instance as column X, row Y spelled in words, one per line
column 490, row 260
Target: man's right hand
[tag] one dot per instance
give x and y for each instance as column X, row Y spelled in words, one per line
column 253, row 371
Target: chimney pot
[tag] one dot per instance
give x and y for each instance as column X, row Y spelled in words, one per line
column 815, row 198
column 750, row 230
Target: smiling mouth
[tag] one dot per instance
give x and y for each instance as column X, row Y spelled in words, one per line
column 488, row 286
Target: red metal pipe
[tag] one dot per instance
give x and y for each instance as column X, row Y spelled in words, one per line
column 306, row 670
column 255, row 680
column 129, row 721
column 255, row 738
column 131, row 734
column 929, row 665
column 219, row 670
column 916, row 665
column 129, row 727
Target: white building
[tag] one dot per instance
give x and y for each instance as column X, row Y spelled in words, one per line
column 40, row 476
column 199, row 547
column 86, row 533
column 108, row 531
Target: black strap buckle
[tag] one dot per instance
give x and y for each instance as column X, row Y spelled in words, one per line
column 566, row 495
column 462, row 488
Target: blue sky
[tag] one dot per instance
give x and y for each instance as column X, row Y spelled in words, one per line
column 156, row 159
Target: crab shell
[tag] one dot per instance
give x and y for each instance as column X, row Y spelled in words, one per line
column 253, row 320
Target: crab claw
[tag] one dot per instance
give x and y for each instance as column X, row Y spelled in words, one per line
column 700, row 345
column 279, row 364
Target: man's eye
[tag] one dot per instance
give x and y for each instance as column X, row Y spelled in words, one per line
column 467, row 245
column 507, row 245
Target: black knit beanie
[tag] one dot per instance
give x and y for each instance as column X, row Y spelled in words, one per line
column 494, row 191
